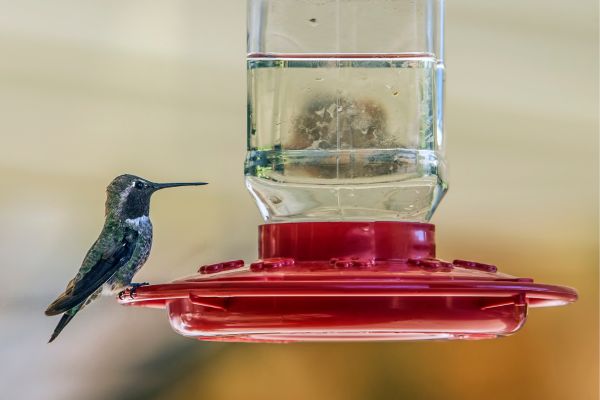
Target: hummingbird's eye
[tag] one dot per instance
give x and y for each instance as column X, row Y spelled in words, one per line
column 139, row 185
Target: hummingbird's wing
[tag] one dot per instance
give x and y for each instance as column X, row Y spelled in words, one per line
column 101, row 263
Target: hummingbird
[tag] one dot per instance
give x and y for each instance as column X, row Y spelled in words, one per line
column 119, row 252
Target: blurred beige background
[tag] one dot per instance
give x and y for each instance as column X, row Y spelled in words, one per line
column 91, row 89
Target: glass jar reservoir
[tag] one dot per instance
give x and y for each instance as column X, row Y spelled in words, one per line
column 345, row 109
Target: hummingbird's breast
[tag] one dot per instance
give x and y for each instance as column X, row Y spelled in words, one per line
column 143, row 226
column 143, row 244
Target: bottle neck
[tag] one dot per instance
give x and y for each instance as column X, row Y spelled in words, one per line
column 318, row 241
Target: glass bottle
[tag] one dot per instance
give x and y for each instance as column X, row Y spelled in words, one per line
column 345, row 109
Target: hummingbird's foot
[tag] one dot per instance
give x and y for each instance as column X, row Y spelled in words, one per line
column 133, row 288
column 130, row 291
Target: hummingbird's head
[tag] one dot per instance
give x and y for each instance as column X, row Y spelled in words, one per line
column 128, row 196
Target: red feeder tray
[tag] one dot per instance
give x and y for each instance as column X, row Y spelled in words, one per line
column 335, row 281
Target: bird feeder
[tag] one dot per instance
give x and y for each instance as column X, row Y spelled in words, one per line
column 346, row 164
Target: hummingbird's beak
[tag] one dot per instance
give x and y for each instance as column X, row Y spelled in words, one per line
column 158, row 186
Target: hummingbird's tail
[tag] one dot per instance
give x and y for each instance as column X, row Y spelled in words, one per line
column 65, row 319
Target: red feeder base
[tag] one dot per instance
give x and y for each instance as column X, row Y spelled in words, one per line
column 335, row 281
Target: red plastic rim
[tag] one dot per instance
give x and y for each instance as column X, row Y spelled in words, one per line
column 536, row 295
